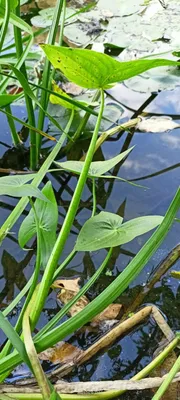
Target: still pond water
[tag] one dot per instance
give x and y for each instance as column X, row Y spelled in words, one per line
column 153, row 163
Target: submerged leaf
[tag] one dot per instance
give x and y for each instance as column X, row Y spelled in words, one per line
column 47, row 214
column 157, row 124
column 106, row 230
column 92, row 70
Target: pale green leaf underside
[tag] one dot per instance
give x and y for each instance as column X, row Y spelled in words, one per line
column 106, row 230
column 97, row 168
column 93, row 70
column 15, row 186
column 47, row 214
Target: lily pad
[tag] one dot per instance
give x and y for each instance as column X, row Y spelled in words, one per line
column 157, row 124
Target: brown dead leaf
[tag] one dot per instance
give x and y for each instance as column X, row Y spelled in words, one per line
column 67, row 284
column 72, row 88
column 113, row 311
column 61, row 353
column 66, row 295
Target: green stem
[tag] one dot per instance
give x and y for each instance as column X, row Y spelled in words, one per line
column 15, row 137
column 5, row 23
column 46, row 72
column 174, row 370
column 94, row 196
column 29, row 104
column 31, row 351
column 79, row 130
column 15, row 214
column 63, row 235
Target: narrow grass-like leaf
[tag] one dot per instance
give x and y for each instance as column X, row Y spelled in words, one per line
column 6, row 99
column 106, row 230
column 14, row 338
column 94, row 70
column 47, row 214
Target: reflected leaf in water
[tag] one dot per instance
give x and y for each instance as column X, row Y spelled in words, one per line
column 12, row 274
column 157, row 124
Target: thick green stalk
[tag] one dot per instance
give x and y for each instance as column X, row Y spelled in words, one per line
column 80, row 129
column 46, row 72
column 174, row 370
column 63, row 235
column 15, row 214
column 31, row 351
column 29, row 104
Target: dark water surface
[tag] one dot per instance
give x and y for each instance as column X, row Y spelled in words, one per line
column 154, row 163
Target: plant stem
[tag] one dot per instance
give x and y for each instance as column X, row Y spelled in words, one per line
column 5, row 23
column 79, row 130
column 63, row 235
column 94, row 196
column 31, row 351
column 29, row 104
column 15, row 214
column 15, row 137
column 46, row 72
column 174, row 370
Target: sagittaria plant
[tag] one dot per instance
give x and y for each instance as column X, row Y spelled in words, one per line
column 95, row 71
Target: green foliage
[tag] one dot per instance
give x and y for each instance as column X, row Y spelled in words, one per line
column 15, row 186
column 97, row 168
column 47, row 214
column 106, row 230
column 6, row 99
column 13, row 3
column 95, row 70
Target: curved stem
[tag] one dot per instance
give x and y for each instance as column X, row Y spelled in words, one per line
column 5, row 23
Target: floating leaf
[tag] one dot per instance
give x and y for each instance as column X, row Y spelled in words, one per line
column 47, row 214
column 106, row 230
column 157, row 124
column 97, row 168
column 15, row 186
column 93, row 70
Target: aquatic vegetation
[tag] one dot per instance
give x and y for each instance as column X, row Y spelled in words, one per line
column 103, row 230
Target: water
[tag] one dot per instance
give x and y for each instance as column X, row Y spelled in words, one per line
column 154, row 163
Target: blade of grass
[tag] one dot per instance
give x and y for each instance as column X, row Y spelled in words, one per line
column 46, row 71
column 28, row 100
column 162, row 389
